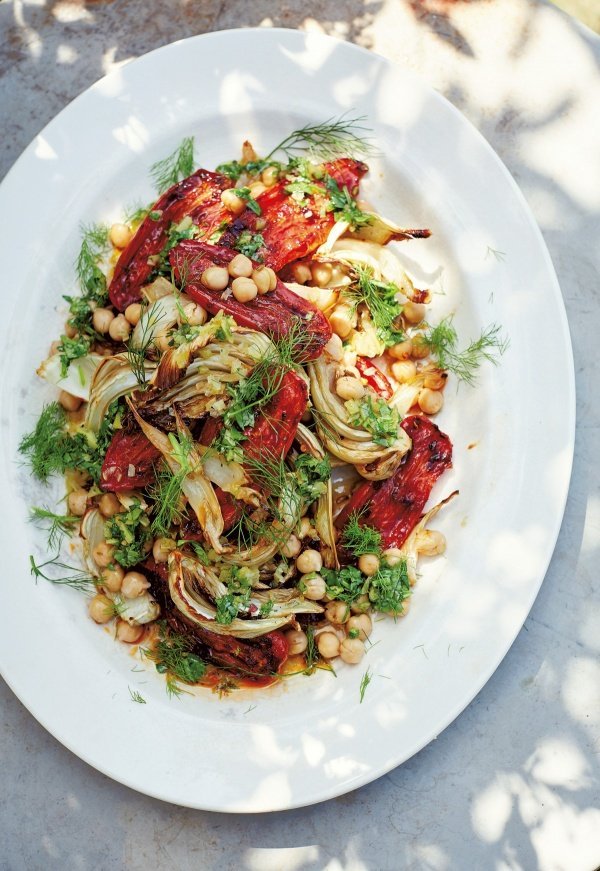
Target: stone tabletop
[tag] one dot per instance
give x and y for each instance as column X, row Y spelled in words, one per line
column 514, row 782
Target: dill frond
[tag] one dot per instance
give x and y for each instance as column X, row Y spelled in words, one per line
column 359, row 539
column 335, row 137
column 380, row 299
column 365, row 681
column 442, row 341
column 94, row 246
column 72, row 577
column 59, row 524
column 178, row 165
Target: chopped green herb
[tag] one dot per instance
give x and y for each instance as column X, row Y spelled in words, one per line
column 380, row 299
column 245, row 194
column 72, row 349
column 238, row 596
column 442, row 341
column 312, row 475
column 345, row 584
column 389, row 588
column 130, row 534
column 344, row 206
column 178, row 165
column 233, row 170
column 376, row 416
column 136, row 696
column 249, row 243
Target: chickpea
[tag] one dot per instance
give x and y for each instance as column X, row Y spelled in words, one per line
column 269, row 176
column 103, row 554
column 361, row 605
column 404, row 370
column 401, row 351
column 430, row 401
column 102, row 319
column 435, row 380
column 68, row 401
column 301, row 273
column 215, row 278
column 419, row 348
column 328, row 644
column 54, row 347
column 101, row 609
column 272, row 278
column 393, row 556
column 112, row 578
column 77, row 502
column 313, row 587
column 413, row 312
column 297, row 641
column 321, row 274
column 342, row 320
column 232, row 202
column 362, row 624
column 309, row 561
column 240, row 266
column 133, row 313
column 368, row 563
column 119, row 329
column 161, row 549
column 335, row 347
column 348, row 387
column 109, row 505
column 292, row 547
column 244, row 289
column 195, row 314
column 129, row 633
column 337, row 612
column 70, row 331
column 120, row 235
column 134, row 584
column 352, row 650
column 256, row 189
column 261, row 279
column 430, row 542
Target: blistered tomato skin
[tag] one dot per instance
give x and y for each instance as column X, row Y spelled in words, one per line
column 291, row 229
column 129, row 462
column 198, row 196
column 276, row 313
column 394, row 506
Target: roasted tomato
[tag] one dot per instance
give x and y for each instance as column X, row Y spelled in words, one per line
column 276, row 424
column 292, row 229
column 276, row 313
column 129, row 462
column 394, row 506
column 198, row 196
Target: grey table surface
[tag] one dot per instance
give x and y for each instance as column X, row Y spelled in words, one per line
column 514, row 782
